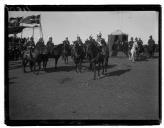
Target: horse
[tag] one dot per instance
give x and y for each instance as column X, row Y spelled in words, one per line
column 132, row 52
column 97, row 55
column 66, row 52
column 31, row 56
column 77, row 55
column 140, row 51
column 55, row 52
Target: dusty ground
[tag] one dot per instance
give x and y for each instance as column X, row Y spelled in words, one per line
column 127, row 91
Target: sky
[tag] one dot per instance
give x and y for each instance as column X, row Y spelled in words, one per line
column 70, row 24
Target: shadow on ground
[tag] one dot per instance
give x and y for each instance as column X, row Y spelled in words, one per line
column 116, row 73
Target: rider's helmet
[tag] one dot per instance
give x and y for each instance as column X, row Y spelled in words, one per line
column 90, row 37
column 136, row 39
column 32, row 38
column 99, row 34
column 66, row 38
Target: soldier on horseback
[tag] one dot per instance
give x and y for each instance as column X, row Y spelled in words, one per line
column 66, row 41
column 80, row 43
column 50, row 45
column 30, row 44
column 131, row 43
column 40, row 45
column 66, row 50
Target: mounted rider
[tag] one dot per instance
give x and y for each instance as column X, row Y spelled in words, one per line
column 100, row 40
column 92, row 40
column 130, row 43
column 50, row 45
column 140, row 42
column 135, row 44
column 40, row 45
column 66, row 42
column 30, row 44
column 102, row 44
column 79, row 41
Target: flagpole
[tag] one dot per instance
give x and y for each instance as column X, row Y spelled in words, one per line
column 41, row 28
column 33, row 32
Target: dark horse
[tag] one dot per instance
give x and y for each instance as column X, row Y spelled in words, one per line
column 78, row 55
column 66, row 52
column 54, row 52
column 33, row 57
column 97, row 55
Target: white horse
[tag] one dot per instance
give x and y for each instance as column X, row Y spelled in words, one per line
column 132, row 53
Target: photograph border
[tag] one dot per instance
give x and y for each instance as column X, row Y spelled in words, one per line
column 138, row 7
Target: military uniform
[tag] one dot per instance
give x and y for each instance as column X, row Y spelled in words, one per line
column 151, row 42
column 130, row 44
column 40, row 46
column 30, row 44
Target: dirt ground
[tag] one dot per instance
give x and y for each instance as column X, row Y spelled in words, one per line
column 127, row 91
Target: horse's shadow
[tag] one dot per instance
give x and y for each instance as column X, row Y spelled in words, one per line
column 116, row 73
column 142, row 58
column 60, row 68
column 109, row 66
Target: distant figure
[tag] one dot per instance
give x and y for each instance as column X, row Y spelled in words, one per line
column 133, row 50
column 66, row 50
column 30, row 44
column 140, row 42
column 151, row 46
column 131, row 43
column 66, row 41
column 100, row 40
column 79, row 41
column 40, row 45
column 50, row 45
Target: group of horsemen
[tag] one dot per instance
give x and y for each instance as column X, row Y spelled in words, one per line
column 30, row 44
column 137, row 43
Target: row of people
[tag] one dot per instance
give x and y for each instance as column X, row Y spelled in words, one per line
column 31, row 43
column 97, row 42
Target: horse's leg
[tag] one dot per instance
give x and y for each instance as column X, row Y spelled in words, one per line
column 77, row 67
column 103, row 65
column 56, row 60
column 31, row 65
column 99, row 70
column 80, row 66
column 94, row 69
column 67, row 59
column 129, row 53
column 23, row 65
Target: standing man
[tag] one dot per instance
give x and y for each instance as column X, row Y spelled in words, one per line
column 151, row 46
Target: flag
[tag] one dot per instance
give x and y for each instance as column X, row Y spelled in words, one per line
column 15, row 30
column 14, row 21
column 34, row 19
column 18, row 29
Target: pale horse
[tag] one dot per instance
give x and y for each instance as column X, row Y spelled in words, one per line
column 132, row 55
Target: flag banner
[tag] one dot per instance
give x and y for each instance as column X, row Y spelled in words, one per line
column 34, row 19
column 18, row 29
column 15, row 30
column 14, row 21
